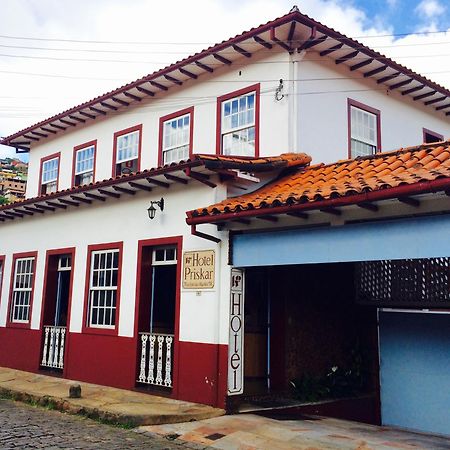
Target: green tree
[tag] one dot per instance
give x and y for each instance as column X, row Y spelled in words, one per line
column 3, row 200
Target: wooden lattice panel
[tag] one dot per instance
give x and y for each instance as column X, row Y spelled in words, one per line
column 423, row 283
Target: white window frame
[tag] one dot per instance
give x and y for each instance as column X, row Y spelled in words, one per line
column 167, row 260
column 51, row 183
column 22, row 289
column 360, row 131
column 88, row 170
column 241, row 127
column 118, row 149
column 112, row 289
column 182, row 137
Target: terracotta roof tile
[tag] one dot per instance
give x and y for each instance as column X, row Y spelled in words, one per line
column 406, row 166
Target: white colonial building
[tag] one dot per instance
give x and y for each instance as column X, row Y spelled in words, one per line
column 103, row 280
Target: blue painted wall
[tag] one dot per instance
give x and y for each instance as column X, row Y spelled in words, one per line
column 401, row 239
column 415, row 371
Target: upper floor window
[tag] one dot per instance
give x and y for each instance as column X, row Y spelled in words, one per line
column 176, row 136
column 22, row 289
column 84, row 163
column 430, row 136
column 364, row 129
column 49, row 174
column 127, row 150
column 238, row 122
column 104, row 287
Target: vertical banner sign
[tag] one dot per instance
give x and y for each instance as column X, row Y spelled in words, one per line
column 236, row 344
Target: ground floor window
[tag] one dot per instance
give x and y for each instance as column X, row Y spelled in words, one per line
column 22, row 289
column 104, row 276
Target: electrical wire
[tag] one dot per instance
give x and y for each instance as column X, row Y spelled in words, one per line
column 168, row 52
column 167, row 63
column 181, row 102
column 198, row 43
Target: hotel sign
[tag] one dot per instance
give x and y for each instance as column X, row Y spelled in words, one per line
column 199, row 269
column 236, row 342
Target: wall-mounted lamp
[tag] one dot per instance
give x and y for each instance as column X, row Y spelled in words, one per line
column 152, row 210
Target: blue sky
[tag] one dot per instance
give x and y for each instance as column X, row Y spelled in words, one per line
column 33, row 88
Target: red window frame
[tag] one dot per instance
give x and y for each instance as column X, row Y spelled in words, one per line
column 172, row 116
column 159, row 242
column 2, row 262
column 74, row 160
column 426, row 131
column 254, row 87
column 121, row 133
column 16, row 256
column 58, row 252
column 85, row 327
column 48, row 158
column 364, row 107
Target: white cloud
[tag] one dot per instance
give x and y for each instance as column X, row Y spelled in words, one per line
column 429, row 8
column 189, row 25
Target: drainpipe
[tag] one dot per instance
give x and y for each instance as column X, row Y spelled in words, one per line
column 293, row 102
column 202, row 235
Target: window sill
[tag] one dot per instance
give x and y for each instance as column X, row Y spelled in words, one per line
column 100, row 331
column 19, row 326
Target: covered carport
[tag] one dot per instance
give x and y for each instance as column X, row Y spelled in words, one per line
column 388, row 216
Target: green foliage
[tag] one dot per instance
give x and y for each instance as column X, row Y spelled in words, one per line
column 3, row 200
column 338, row 382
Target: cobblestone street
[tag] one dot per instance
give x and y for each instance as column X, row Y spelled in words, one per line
column 25, row 427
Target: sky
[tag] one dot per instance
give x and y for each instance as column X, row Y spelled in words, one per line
column 56, row 54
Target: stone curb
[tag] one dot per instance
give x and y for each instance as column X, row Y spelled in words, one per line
column 112, row 418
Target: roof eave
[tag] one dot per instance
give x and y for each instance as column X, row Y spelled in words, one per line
column 423, row 187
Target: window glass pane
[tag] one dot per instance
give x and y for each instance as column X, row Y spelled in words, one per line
column 22, row 287
column 50, row 170
column 84, row 160
column 104, row 279
column 238, row 125
column 363, row 129
column 127, row 147
column 176, row 139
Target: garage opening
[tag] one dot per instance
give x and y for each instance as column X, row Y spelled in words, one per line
column 308, row 343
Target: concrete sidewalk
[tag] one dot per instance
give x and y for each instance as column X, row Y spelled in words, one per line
column 251, row 432
column 100, row 402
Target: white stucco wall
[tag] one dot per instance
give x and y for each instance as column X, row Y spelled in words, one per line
column 311, row 117
column 322, row 110
column 266, row 68
column 202, row 316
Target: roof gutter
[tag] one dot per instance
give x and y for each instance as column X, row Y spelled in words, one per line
column 206, row 236
column 440, row 184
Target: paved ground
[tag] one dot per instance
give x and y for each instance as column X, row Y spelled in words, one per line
column 115, row 405
column 26, row 427
column 250, row 432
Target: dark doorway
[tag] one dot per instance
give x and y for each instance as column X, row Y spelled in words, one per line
column 58, row 286
column 307, row 341
column 156, row 321
column 256, row 332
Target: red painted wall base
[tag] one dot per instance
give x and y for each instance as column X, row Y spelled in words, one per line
column 20, row 348
column 112, row 361
column 101, row 359
column 202, row 373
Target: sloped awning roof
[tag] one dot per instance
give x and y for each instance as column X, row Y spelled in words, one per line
column 293, row 32
column 199, row 169
column 398, row 174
